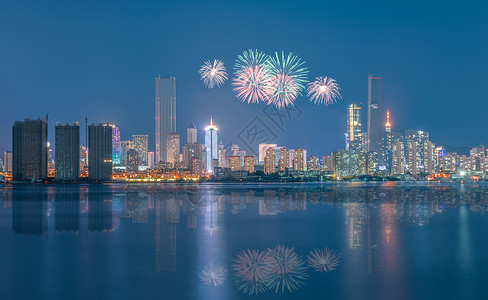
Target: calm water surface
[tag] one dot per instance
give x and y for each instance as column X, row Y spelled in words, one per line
column 226, row 241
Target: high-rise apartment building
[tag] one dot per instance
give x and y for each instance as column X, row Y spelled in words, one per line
column 354, row 128
column 30, row 150
column 269, row 160
column 191, row 134
column 141, row 145
column 375, row 124
column 165, row 113
column 234, row 163
column 67, row 146
column 124, row 147
column 173, row 148
column 398, row 158
column 211, row 145
column 249, row 163
column 284, row 162
column 299, row 160
column 313, row 163
column 7, row 161
column 115, row 146
column 132, row 160
column 100, row 152
column 418, row 152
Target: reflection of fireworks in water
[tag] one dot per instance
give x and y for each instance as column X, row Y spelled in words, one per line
column 287, row 269
column 213, row 74
column 213, row 275
column 252, row 77
column 324, row 260
column 323, row 90
column 252, row 270
column 288, row 77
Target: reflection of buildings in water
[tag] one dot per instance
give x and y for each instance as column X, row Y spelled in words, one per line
column 388, row 216
column 167, row 217
column 212, row 213
column 29, row 212
column 67, row 209
column 6, row 197
column 356, row 217
column 100, row 213
column 134, row 206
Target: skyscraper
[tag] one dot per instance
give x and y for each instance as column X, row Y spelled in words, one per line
column 132, row 160
column 115, row 146
column 417, row 151
column 354, row 127
column 211, row 145
column 375, row 125
column 234, row 163
column 7, row 161
column 30, row 157
column 284, row 162
column 165, row 113
column 191, row 134
column 67, row 143
column 124, row 147
column 269, row 160
column 173, row 148
column 141, row 146
column 299, row 159
column 249, row 163
column 100, row 152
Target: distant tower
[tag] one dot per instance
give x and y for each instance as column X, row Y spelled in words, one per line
column 100, row 152
column 388, row 125
column 67, row 143
column 141, row 145
column 191, row 134
column 165, row 113
column 173, row 146
column 374, row 113
column 30, row 150
column 115, row 145
column 211, row 145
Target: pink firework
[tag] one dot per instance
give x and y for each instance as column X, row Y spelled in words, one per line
column 252, row 269
column 251, row 84
column 324, row 260
column 282, row 91
column 324, row 90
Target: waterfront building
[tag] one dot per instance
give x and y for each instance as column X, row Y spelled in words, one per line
column 7, row 161
column 284, row 161
column 299, row 160
column 150, row 160
column 115, row 146
column 354, row 128
column 234, row 163
column 30, row 150
column 385, row 155
column 196, row 166
column 313, row 163
column 165, row 113
column 269, row 161
column 263, row 148
column 141, row 145
column 419, row 152
column 477, row 159
column 327, row 164
column 67, row 143
column 83, row 158
column 132, row 160
column 124, row 147
column 173, row 148
column 222, row 156
column 398, row 158
column 375, row 125
column 249, row 163
column 100, row 152
column 211, row 148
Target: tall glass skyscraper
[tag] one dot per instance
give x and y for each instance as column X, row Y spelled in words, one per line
column 375, row 125
column 165, row 113
column 211, row 145
column 354, row 127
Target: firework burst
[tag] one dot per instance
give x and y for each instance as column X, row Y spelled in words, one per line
column 324, row 90
column 288, row 270
column 213, row 275
column 288, row 79
column 252, row 270
column 324, row 260
column 252, row 78
column 213, row 74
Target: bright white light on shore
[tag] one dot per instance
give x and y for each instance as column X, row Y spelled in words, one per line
column 462, row 173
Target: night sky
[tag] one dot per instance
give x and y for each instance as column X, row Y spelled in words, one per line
column 88, row 58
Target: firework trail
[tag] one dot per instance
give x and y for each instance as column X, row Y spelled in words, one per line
column 324, row 90
column 252, row 78
column 324, row 260
column 213, row 74
column 288, row 270
column 213, row 275
column 288, row 78
column 252, row 270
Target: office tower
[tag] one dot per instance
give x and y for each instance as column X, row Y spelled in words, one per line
column 299, row 160
column 141, row 146
column 477, row 159
column 150, row 159
column 211, row 143
column 417, row 148
column 7, row 161
column 234, row 163
column 313, row 163
column 375, row 125
column 196, row 166
column 262, row 150
column 67, row 143
column 165, row 113
column 269, row 161
column 30, row 152
column 398, row 158
column 132, row 160
column 173, row 148
column 190, row 151
column 223, row 163
column 124, row 147
column 100, row 152
column 354, row 128
column 284, row 161
column 249, row 163
column 327, row 164
column 191, row 134
column 389, row 138
column 115, row 146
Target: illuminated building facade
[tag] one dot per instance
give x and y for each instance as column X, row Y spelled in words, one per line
column 30, row 150
column 132, row 160
column 191, row 134
column 211, row 145
column 398, row 158
column 375, row 125
column 115, row 146
column 234, row 163
column 284, row 162
column 249, row 163
column 419, row 152
column 385, row 155
column 354, row 128
column 299, row 160
column 124, row 147
column 196, row 166
column 100, row 152
column 141, row 146
column 173, row 148
column 263, row 148
column 165, row 113
column 269, row 161
column 313, row 163
column 67, row 143
column 7, row 161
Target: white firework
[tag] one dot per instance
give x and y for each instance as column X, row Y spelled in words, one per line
column 287, row 269
column 324, row 260
column 213, row 275
column 324, row 90
column 252, row 269
column 213, row 74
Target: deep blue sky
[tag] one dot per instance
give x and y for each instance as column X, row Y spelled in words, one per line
column 99, row 58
